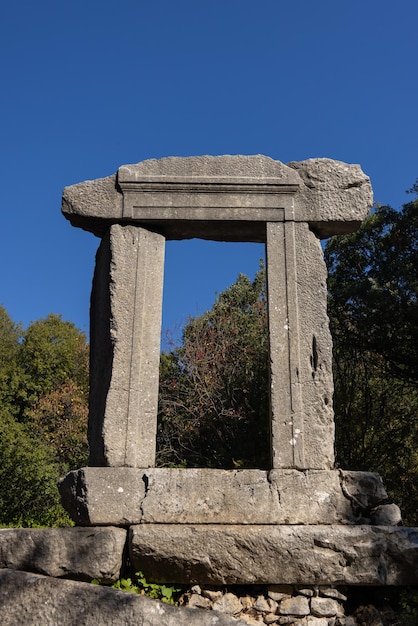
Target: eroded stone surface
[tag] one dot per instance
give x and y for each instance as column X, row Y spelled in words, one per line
column 201, row 496
column 126, row 309
column 297, row 605
column 335, row 197
column 98, row 495
column 325, row 607
column 314, row 555
column 363, row 489
column 36, row 600
column 93, row 204
column 81, row 553
column 300, row 349
column 208, row 196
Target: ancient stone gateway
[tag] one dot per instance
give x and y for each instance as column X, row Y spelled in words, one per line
column 229, row 198
column 225, row 526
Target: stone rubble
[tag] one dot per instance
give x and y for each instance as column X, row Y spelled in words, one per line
column 275, row 604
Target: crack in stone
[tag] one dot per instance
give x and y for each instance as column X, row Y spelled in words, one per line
column 274, row 488
column 145, row 479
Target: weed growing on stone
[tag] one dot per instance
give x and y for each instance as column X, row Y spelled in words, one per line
column 409, row 604
column 138, row 584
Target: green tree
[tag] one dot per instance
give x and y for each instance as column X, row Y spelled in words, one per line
column 60, row 420
column 10, row 373
column 51, row 353
column 373, row 286
column 43, row 416
column 28, row 477
column 213, row 400
column 373, row 311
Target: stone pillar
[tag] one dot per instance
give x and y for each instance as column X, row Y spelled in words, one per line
column 285, row 393
column 300, row 349
column 126, row 309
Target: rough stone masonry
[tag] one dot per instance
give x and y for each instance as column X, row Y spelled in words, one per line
column 300, row 522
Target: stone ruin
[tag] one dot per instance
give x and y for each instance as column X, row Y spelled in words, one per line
column 302, row 522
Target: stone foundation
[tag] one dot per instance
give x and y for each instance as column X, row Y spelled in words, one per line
column 218, row 555
column 41, row 570
column 299, row 555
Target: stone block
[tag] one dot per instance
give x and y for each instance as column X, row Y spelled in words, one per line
column 226, row 198
column 94, row 204
column 326, row 607
column 97, row 495
column 298, row 606
column 229, row 604
column 80, row 553
column 126, row 309
column 335, row 197
column 386, row 515
column 123, row 496
column 35, row 600
column 300, row 555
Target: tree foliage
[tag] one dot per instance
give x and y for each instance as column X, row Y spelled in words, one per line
column 10, row 335
column 51, row 353
column 60, row 419
column 373, row 310
column 28, row 477
column 373, row 285
column 43, row 416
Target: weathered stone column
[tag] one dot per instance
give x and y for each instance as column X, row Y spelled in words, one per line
column 285, row 392
column 302, row 423
column 126, row 308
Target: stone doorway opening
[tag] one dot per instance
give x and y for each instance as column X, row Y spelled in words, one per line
column 213, row 388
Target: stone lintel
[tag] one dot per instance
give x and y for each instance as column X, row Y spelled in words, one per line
column 300, row 555
column 124, row 496
column 226, row 198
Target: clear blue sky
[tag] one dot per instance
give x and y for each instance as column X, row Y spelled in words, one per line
column 90, row 85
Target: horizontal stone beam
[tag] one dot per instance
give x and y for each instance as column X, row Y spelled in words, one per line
column 314, row 555
column 226, row 198
column 105, row 495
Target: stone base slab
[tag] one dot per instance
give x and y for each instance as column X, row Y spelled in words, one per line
column 300, row 555
column 125, row 496
column 35, row 600
column 81, row 553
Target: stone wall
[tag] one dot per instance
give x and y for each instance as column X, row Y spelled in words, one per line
column 45, row 575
